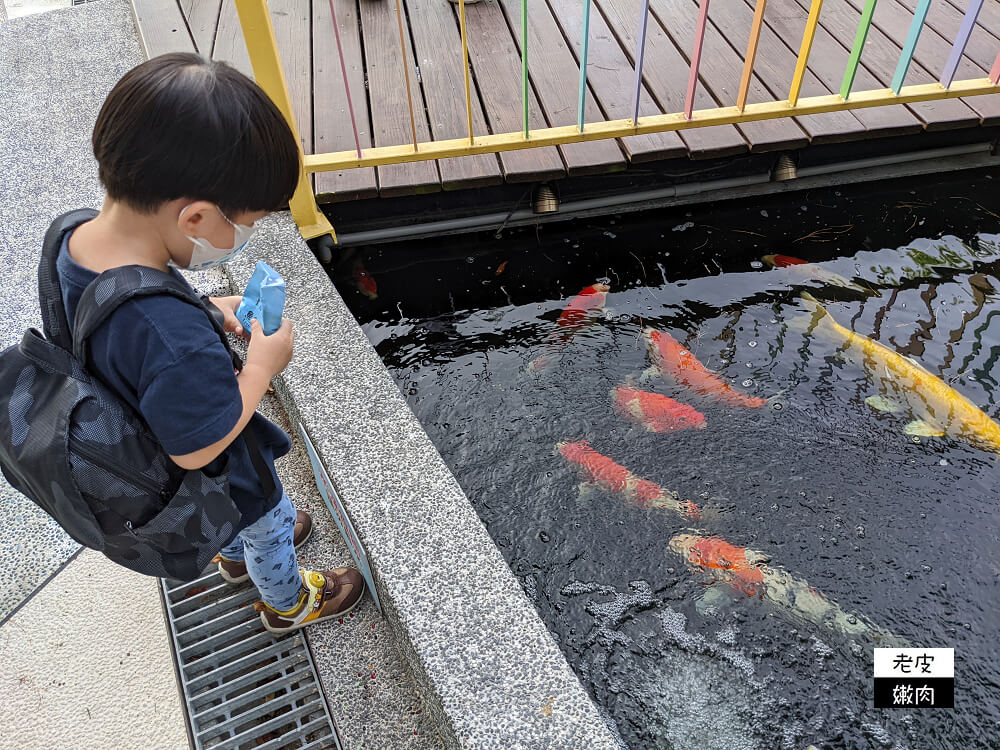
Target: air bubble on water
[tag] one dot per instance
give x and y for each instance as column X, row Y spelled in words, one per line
column 624, row 318
column 749, row 364
column 470, row 259
column 666, row 253
column 943, row 462
column 778, row 406
column 916, row 439
column 763, row 213
column 860, row 532
column 774, row 320
column 684, row 227
column 606, row 280
column 612, row 235
column 967, row 625
column 543, row 536
column 751, row 344
column 923, row 515
column 802, row 493
column 852, row 619
column 756, row 264
column 748, row 382
column 576, row 245
column 649, row 307
column 926, row 568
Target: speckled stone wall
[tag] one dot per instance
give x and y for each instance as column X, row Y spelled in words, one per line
column 55, row 70
column 487, row 665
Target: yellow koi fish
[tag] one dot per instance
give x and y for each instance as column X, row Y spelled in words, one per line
column 937, row 408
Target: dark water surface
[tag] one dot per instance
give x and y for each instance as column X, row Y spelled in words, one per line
column 900, row 532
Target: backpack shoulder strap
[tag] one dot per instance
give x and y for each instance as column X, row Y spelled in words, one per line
column 55, row 324
column 115, row 287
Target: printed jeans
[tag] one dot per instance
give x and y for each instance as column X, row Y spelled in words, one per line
column 266, row 547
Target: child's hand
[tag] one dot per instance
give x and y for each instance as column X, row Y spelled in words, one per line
column 273, row 352
column 229, row 306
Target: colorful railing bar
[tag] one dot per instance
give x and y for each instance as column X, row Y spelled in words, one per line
column 699, row 39
column 406, row 73
column 347, row 87
column 524, row 64
column 751, row 56
column 640, row 53
column 465, row 65
column 583, row 64
column 807, row 39
column 910, row 45
column 858, row 48
column 958, row 48
column 995, row 73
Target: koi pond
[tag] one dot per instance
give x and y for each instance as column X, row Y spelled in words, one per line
column 719, row 492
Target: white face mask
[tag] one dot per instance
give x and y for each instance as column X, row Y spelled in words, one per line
column 206, row 255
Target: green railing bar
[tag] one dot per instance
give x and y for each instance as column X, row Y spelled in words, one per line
column 583, row 65
column 859, row 45
column 524, row 62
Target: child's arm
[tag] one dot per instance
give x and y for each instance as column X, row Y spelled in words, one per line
column 266, row 357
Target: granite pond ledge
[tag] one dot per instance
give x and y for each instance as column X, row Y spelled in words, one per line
column 486, row 664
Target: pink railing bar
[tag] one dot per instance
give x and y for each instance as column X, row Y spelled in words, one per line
column 699, row 38
column 958, row 48
column 995, row 73
column 640, row 53
column 347, row 87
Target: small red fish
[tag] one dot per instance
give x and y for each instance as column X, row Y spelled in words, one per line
column 366, row 284
column 673, row 360
column 783, row 261
column 655, row 412
column 613, row 477
column 577, row 313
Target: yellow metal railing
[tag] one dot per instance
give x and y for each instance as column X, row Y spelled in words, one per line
column 260, row 41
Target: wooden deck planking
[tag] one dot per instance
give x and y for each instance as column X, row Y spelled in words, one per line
column 665, row 74
column 387, row 100
column 720, row 73
column 202, row 20
column 932, row 51
column 946, row 19
column 612, row 80
column 162, row 27
column 880, row 57
column 827, row 61
column 555, row 76
column 331, row 119
column 229, row 44
column 774, row 66
column 438, row 44
column 312, row 69
column 611, row 77
column 497, row 66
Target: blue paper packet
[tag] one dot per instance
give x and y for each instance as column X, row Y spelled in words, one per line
column 264, row 299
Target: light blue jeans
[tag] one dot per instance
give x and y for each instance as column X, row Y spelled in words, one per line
column 267, row 549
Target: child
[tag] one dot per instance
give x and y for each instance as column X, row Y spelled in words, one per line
column 191, row 154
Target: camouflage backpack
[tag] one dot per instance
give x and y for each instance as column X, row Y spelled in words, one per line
column 81, row 453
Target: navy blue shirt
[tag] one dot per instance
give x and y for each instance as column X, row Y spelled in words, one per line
column 162, row 356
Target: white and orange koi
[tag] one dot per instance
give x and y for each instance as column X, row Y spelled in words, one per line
column 748, row 572
column 655, row 412
column 813, row 272
column 612, row 477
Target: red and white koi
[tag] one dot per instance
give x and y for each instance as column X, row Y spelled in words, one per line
column 749, row 573
column 612, row 477
column 812, row 272
column 672, row 360
column 579, row 312
column 655, row 412
column 366, row 284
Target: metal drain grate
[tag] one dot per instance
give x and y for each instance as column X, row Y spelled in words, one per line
column 243, row 687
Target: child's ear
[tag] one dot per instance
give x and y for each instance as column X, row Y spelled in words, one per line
column 192, row 216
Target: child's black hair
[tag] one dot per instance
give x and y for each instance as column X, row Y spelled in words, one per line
column 180, row 126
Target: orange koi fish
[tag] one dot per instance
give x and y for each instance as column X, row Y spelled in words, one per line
column 655, row 412
column 366, row 284
column 601, row 470
column 577, row 313
column 670, row 359
column 748, row 572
